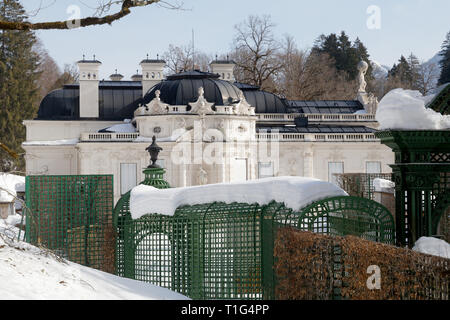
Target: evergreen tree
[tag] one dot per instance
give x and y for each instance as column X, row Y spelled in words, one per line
column 445, row 62
column 401, row 70
column 346, row 54
column 406, row 73
column 18, row 83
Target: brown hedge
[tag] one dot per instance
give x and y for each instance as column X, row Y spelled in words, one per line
column 314, row 266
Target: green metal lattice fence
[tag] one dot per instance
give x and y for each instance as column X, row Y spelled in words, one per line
column 225, row 251
column 72, row 215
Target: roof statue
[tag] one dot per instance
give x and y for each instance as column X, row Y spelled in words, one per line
column 243, row 108
column 368, row 100
column 202, row 106
column 155, row 107
column 202, row 177
column 362, row 68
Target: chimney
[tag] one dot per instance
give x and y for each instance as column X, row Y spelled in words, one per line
column 136, row 77
column 116, row 76
column 89, row 91
column 152, row 73
column 225, row 68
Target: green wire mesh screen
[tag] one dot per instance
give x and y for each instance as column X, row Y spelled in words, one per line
column 72, row 216
column 225, row 251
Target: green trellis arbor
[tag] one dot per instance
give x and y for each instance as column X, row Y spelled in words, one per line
column 422, row 177
column 225, row 251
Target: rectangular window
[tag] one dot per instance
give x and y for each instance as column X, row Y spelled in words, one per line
column 239, row 170
column 265, row 170
column 128, row 177
column 373, row 167
column 334, row 168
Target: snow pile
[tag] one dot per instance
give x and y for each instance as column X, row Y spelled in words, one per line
column 383, row 185
column 27, row 272
column 433, row 246
column 405, row 109
column 13, row 184
column 9, row 227
column 126, row 127
column 294, row 192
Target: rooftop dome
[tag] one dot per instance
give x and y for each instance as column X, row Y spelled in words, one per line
column 263, row 101
column 182, row 88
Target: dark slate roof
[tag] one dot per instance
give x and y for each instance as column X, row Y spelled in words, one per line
column 118, row 100
column 223, row 62
column 246, row 86
column 265, row 102
column 315, row 128
column 182, row 88
column 326, row 106
column 89, row 61
column 153, row 61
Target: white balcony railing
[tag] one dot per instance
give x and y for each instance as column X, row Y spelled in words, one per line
column 311, row 137
column 106, row 137
column 282, row 137
column 312, row 117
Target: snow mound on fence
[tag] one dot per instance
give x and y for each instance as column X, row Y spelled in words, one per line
column 406, row 109
column 294, row 192
column 27, row 272
column 433, row 246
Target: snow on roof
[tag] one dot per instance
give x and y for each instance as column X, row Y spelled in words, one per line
column 126, row 127
column 13, row 184
column 294, row 192
column 121, row 128
column 433, row 246
column 405, row 109
column 176, row 135
column 66, row 142
column 32, row 274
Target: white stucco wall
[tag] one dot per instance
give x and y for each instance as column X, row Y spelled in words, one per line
column 295, row 158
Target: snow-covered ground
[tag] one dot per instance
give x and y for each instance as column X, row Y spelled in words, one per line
column 433, row 246
column 27, row 272
column 406, row 110
column 294, row 192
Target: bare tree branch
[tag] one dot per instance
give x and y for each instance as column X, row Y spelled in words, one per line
column 103, row 7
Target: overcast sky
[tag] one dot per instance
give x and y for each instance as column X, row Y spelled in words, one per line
column 404, row 26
